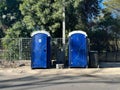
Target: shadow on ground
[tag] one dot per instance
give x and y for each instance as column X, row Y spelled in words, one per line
column 32, row 82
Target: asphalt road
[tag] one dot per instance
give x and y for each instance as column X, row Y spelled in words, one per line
column 60, row 82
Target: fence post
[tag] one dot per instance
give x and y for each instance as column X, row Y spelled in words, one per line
column 20, row 48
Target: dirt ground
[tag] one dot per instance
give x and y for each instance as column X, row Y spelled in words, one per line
column 24, row 69
column 14, row 64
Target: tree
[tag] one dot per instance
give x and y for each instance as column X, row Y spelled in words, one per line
column 105, row 31
column 18, row 30
column 42, row 14
column 91, row 10
column 73, row 15
column 11, row 41
column 9, row 13
column 112, row 5
column 2, row 7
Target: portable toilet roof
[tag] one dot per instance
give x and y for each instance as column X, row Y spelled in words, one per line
column 43, row 32
column 79, row 32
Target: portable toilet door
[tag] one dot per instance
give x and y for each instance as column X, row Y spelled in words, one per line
column 78, row 49
column 40, row 56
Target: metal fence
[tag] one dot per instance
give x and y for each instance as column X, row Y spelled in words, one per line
column 15, row 49
column 109, row 56
column 112, row 54
column 20, row 49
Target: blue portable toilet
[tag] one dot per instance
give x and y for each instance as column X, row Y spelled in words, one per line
column 40, row 53
column 78, row 49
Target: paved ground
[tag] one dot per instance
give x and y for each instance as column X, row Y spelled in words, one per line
column 85, row 82
column 59, row 79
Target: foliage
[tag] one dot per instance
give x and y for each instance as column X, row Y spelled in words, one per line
column 9, row 14
column 73, row 12
column 11, row 46
column 107, row 30
column 112, row 5
column 42, row 14
column 17, row 30
column 11, row 42
column 99, row 40
column 91, row 10
column 1, row 33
